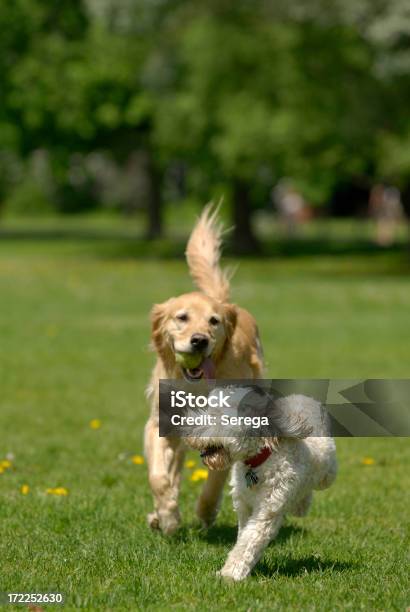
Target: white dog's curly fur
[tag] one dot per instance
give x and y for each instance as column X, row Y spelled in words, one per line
column 285, row 483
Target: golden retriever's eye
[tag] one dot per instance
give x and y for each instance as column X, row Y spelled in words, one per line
column 214, row 321
column 182, row 316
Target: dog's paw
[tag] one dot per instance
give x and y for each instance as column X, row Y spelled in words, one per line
column 234, row 573
column 222, row 578
column 168, row 522
column 153, row 520
column 206, row 513
column 225, row 577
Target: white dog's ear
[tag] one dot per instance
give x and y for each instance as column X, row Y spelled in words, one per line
column 231, row 316
column 289, row 424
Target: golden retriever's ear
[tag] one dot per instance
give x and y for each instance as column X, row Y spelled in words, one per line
column 159, row 338
column 231, row 315
column 158, row 317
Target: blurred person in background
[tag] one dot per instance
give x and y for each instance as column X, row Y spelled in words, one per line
column 386, row 208
column 290, row 205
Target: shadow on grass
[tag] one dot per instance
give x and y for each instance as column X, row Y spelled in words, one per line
column 281, row 565
column 226, row 534
column 292, row 568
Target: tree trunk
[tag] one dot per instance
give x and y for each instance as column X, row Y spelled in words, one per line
column 244, row 238
column 405, row 196
column 144, row 190
column 154, row 200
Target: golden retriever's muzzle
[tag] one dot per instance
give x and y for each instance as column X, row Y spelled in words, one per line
column 215, row 457
column 199, row 343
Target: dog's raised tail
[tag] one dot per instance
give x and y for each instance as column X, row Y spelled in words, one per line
column 203, row 253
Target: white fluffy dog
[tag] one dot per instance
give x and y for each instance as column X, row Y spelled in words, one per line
column 272, row 476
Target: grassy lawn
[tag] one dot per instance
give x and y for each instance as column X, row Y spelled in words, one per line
column 73, row 347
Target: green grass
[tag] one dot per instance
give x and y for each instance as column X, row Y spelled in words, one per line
column 74, row 334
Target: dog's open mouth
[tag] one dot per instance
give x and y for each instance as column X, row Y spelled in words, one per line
column 193, row 373
column 205, row 369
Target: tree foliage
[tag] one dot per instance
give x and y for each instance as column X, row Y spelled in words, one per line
column 240, row 93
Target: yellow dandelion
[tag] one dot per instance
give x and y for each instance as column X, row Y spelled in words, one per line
column 1, row 470
column 200, row 474
column 61, row 491
column 25, row 489
column 190, row 463
column 137, row 459
column 5, row 464
column 95, row 424
column 368, row 461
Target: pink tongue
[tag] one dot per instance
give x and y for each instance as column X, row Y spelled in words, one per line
column 208, row 368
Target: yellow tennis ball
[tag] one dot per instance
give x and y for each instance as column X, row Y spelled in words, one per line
column 189, row 361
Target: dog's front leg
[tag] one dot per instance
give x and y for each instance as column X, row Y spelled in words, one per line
column 253, row 538
column 165, row 459
column 243, row 512
column 209, row 501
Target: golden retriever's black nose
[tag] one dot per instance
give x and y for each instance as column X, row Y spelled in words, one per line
column 199, row 342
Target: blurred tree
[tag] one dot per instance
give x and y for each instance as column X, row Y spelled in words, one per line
column 82, row 87
column 382, row 32
column 260, row 94
column 133, row 28
column 238, row 94
column 389, row 32
column 40, row 39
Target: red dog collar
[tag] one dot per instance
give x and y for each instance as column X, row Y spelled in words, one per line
column 258, row 459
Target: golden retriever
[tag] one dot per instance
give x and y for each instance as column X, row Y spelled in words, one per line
column 223, row 340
